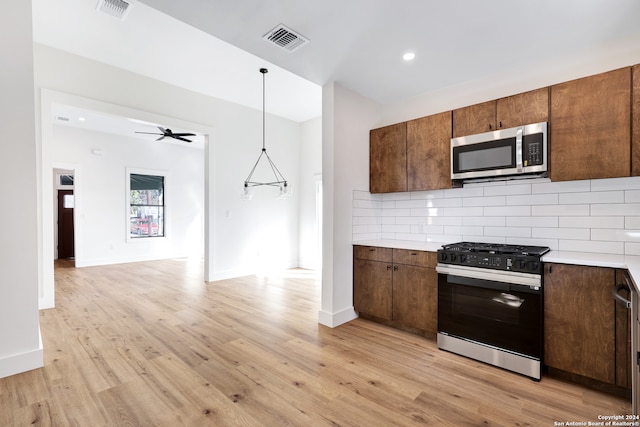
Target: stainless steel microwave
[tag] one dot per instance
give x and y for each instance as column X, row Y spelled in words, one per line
column 502, row 154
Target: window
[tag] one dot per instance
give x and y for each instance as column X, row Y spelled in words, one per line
column 146, row 205
column 66, row 179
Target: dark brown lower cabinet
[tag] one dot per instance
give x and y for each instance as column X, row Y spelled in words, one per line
column 396, row 285
column 372, row 288
column 585, row 333
column 415, row 297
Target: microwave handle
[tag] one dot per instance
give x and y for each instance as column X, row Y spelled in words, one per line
column 519, row 149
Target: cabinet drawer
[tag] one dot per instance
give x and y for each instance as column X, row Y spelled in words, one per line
column 417, row 258
column 373, row 253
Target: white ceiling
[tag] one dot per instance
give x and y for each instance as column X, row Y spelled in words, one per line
column 358, row 43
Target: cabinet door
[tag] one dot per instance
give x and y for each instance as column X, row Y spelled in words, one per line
column 579, row 320
column 372, row 288
column 623, row 337
column 415, row 297
column 474, row 119
column 635, row 126
column 429, row 152
column 590, row 132
column 523, row 109
column 388, row 159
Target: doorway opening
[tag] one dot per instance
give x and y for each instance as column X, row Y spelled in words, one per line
column 64, row 205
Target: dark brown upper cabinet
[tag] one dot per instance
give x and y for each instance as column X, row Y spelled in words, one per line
column 635, row 123
column 590, row 130
column 388, row 159
column 516, row 110
column 429, row 152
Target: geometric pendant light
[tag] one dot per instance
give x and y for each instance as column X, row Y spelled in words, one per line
column 278, row 180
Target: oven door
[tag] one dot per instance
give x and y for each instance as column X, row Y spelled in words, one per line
column 498, row 309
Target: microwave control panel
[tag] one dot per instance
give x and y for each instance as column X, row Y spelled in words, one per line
column 532, row 151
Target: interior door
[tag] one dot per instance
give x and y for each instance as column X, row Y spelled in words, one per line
column 66, row 204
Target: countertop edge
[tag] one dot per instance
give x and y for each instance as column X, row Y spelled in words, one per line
column 629, row 262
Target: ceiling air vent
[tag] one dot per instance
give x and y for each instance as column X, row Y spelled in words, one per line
column 286, row 38
column 115, row 8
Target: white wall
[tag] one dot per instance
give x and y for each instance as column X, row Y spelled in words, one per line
column 347, row 118
column 20, row 346
column 102, row 214
column 310, row 172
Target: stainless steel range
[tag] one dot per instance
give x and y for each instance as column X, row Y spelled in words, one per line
column 490, row 304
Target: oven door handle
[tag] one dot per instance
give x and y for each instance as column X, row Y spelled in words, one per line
column 510, row 277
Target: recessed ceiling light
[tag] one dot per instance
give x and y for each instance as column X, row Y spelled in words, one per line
column 82, row 119
column 409, row 56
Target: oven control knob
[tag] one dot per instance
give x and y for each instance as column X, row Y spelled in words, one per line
column 443, row 256
column 534, row 265
column 522, row 264
column 454, row 257
column 463, row 258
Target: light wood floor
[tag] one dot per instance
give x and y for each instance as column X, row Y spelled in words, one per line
column 150, row 344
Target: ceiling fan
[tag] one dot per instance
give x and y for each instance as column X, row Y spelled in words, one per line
column 168, row 133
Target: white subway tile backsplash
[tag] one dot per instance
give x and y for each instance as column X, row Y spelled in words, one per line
column 632, row 196
column 396, row 196
column 560, row 210
column 507, row 211
column 444, row 220
column 494, row 221
column 623, row 209
column 532, row 221
column 632, row 222
column 592, row 197
column 468, row 211
column 592, row 222
column 413, row 203
column 600, row 216
column 631, row 248
column 396, row 212
column 561, row 233
column 508, row 231
column 484, row 201
column 508, row 190
column 445, row 203
column 613, row 184
column 533, row 199
column 561, row 187
column 434, row 194
column 591, row 246
column 464, row 192
column 616, row 235
column 395, row 228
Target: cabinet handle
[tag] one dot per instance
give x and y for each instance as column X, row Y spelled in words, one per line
column 414, row 254
column 500, row 125
column 490, row 127
column 388, row 267
column 619, row 298
column 395, row 268
column 372, row 250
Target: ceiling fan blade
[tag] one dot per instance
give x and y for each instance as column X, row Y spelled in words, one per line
column 163, row 130
column 161, row 138
column 150, row 133
column 180, row 138
column 183, row 134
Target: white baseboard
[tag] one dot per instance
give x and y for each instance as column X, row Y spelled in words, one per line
column 336, row 319
column 22, row 362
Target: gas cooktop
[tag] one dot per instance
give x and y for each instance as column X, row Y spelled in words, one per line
column 496, row 248
column 525, row 259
